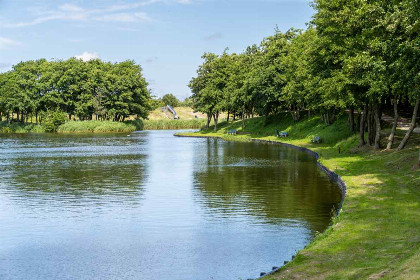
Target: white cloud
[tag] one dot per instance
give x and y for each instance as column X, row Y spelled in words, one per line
column 115, row 13
column 125, row 17
column 6, row 43
column 86, row 56
column 71, row 8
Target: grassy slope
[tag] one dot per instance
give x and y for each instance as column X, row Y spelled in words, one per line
column 377, row 233
column 164, row 120
column 185, row 113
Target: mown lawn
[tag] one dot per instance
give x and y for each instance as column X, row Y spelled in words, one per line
column 377, row 233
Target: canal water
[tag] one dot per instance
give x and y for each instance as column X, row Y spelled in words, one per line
column 153, row 206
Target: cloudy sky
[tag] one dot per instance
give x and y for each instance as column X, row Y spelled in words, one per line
column 167, row 37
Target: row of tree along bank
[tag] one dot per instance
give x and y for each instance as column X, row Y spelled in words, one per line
column 356, row 56
column 78, row 89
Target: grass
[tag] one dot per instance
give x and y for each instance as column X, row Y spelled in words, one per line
column 157, row 120
column 173, row 124
column 189, row 119
column 185, row 113
column 377, row 233
column 105, row 126
column 96, row 126
column 16, row 127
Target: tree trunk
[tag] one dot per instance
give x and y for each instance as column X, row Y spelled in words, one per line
column 228, row 113
column 412, row 126
column 370, row 126
column 36, row 117
column 243, row 118
column 362, row 126
column 216, row 119
column 208, row 120
column 351, row 119
column 394, row 125
column 377, row 127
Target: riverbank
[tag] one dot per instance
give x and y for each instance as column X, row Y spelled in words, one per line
column 104, row 126
column 377, row 232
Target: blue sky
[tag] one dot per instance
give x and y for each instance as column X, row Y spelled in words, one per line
column 166, row 37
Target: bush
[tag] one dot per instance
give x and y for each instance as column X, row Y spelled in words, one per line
column 139, row 124
column 170, row 99
column 53, row 120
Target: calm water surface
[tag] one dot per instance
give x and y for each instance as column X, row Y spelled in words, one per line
column 153, row 206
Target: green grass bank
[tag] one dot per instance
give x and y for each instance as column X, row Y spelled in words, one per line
column 377, row 233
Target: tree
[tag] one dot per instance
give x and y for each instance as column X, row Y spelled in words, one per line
column 171, row 100
column 77, row 88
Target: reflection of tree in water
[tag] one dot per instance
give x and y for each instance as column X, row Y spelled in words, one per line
column 93, row 177
column 81, row 166
column 271, row 181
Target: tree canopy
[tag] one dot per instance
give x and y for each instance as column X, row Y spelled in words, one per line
column 355, row 56
column 110, row 91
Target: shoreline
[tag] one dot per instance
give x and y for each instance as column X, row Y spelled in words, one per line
column 334, row 177
column 96, row 126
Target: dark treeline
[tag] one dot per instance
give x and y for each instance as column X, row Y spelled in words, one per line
column 356, row 57
column 82, row 90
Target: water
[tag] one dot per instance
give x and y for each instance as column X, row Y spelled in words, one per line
column 153, row 206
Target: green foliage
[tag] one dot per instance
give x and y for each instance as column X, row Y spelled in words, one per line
column 355, row 56
column 187, row 102
column 138, row 124
column 53, row 119
column 170, row 99
column 95, row 126
column 108, row 91
column 156, row 103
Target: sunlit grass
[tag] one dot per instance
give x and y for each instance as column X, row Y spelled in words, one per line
column 173, row 124
column 95, row 126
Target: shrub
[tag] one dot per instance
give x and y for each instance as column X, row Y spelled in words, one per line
column 53, row 120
